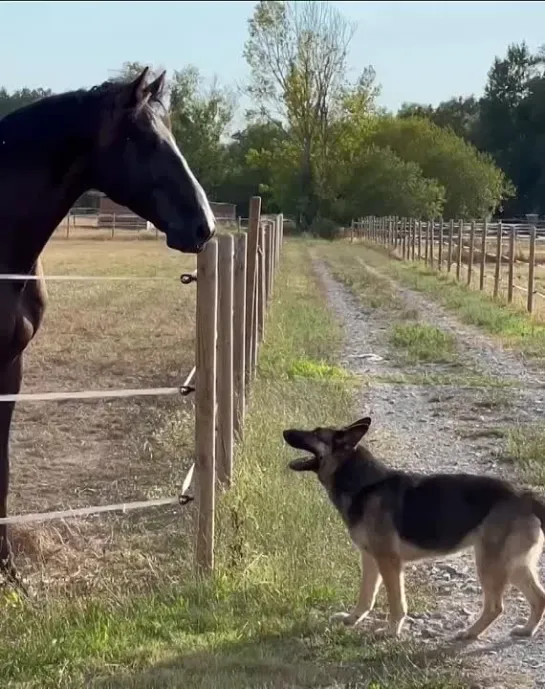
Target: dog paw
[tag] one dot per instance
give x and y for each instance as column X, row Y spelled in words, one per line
column 465, row 635
column 387, row 632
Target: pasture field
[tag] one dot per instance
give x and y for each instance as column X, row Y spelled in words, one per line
column 283, row 559
column 70, row 454
column 84, row 228
column 520, row 273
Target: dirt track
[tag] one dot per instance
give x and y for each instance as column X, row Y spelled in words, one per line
column 447, row 428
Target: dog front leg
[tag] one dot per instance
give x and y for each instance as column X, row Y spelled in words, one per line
column 369, row 586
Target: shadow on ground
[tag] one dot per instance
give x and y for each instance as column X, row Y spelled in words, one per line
column 340, row 660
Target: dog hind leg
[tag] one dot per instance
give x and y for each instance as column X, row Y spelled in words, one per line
column 369, row 586
column 494, row 577
column 525, row 578
column 526, row 581
column 391, row 569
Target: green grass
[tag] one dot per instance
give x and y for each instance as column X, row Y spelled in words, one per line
column 459, row 379
column 283, row 561
column 526, row 449
column 423, row 343
column 515, row 327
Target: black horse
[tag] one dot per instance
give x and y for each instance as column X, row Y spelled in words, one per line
column 111, row 138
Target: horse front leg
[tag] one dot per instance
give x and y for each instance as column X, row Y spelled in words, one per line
column 10, row 384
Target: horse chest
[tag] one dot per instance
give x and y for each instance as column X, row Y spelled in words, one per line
column 20, row 317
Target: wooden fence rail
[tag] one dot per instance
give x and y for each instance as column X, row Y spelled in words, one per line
column 500, row 252
column 235, row 283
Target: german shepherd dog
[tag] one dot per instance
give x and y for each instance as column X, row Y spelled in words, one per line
column 394, row 517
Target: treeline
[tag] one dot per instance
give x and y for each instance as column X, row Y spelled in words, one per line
column 508, row 123
column 316, row 146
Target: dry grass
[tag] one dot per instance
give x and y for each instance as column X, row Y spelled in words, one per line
column 85, row 227
column 105, row 335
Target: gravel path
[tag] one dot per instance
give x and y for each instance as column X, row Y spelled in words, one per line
column 445, row 428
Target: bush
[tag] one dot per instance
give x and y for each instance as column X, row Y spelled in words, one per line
column 325, row 228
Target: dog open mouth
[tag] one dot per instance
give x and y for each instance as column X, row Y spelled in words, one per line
column 304, row 464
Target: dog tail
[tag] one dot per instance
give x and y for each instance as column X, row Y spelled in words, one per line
column 538, row 508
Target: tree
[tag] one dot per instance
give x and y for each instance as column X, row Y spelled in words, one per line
column 527, row 161
column 248, row 169
column 458, row 113
column 382, row 183
column 371, row 179
column 297, row 56
column 200, row 118
column 416, row 110
column 131, row 69
column 502, row 131
column 19, row 98
column 474, row 186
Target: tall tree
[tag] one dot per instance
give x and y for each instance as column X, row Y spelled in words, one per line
column 248, row 165
column 297, row 56
column 474, row 186
column 500, row 131
column 460, row 114
column 200, row 118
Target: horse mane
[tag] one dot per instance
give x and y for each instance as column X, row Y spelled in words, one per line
column 20, row 125
column 113, row 86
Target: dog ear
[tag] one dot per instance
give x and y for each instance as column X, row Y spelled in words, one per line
column 350, row 436
column 304, row 464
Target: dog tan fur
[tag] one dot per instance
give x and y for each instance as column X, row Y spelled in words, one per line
column 395, row 517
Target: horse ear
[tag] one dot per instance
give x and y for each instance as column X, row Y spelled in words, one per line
column 135, row 91
column 155, row 89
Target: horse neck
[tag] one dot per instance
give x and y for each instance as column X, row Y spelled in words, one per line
column 37, row 189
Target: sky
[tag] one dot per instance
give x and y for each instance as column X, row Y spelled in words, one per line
column 421, row 51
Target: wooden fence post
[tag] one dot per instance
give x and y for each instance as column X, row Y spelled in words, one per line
column 427, row 244
column 261, row 282
column 512, row 251
column 531, row 270
column 459, row 255
column 449, row 246
column 471, row 250
column 239, row 332
column 205, row 403
column 274, row 233
column 497, row 267
column 419, row 240
column 269, row 256
column 251, row 284
column 280, row 238
column 224, row 437
column 441, row 239
column 413, row 239
column 483, row 255
column 432, row 241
